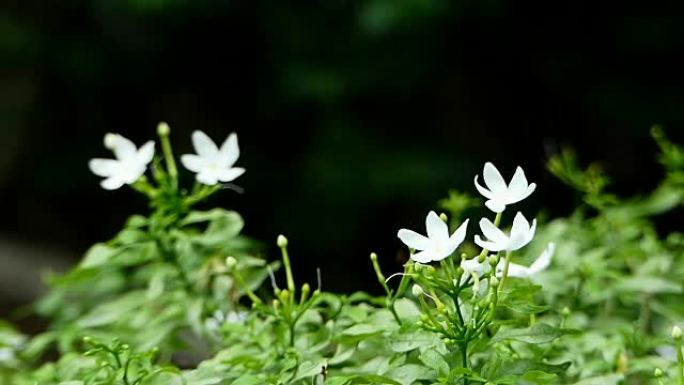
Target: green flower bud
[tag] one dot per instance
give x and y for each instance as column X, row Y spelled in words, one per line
column 443, row 217
column 566, row 311
column 676, row 333
column 481, row 258
column 493, row 260
column 373, row 257
column 417, row 290
column 231, row 262
column 282, row 241
column 163, row 129
column 657, row 373
column 494, row 282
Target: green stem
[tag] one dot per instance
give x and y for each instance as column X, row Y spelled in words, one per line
column 163, row 131
column 464, row 358
column 505, row 272
column 288, row 271
column 680, row 362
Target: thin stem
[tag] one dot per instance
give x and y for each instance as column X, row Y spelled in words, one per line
column 163, row 131
column 505, row 271
column 464, row 359
column 680, row 362
column 288, row 271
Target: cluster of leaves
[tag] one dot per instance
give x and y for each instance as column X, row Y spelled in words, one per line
column 177, row 298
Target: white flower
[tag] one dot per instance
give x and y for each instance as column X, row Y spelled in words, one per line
column 521, row 234
column 438, row 244
column 499, row 194
column 539, row 264
column 213, row 164
column 130, row 163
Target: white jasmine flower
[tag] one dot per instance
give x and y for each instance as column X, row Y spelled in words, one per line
column 438, row 244
column 130, row 163
column 539, row 264
column 213, row 164
column 521, row 234
column 498, row 193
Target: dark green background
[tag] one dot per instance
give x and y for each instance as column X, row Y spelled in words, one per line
column 354, row 117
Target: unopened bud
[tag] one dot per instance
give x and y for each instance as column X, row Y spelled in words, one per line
column 481, row 258
column 431, row 269
column 657, row 373
column 676, row 333
column 493, row 260
column 443, row 217
column 110, row 140
column 373, row 257
column 282, row 241
column 417, row 290
column 231, row 262
column 494, row 282
column 566, row 311
column 163, row 129
column 276, row 304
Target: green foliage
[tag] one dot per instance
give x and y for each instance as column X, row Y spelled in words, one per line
column 177, row 297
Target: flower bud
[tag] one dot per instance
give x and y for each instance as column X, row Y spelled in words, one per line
column 657, row 373
column 443, row 217
column 276, row 304
column 110, row 140
column 417, row 290
column 163, row 129
column 282, row 241
column 285, row 295
column 431, row 269
column 418, row 267
column 481, row 258
column 373, row 257
column 676, row 333
column 566, row 311
column 493, row 260
column 493, row 282
column 454, row 282
column 231, row 262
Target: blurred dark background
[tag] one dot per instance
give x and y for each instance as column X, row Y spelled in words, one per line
column 354, row 117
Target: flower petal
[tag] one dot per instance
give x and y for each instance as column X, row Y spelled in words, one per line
column 436, row 228
column 485, row 193
column 112, row 183
column 518, row 186
column 413, row 239
column 423, row 257
column 496, row 206
column 521, row 233
column 493, row 179
column 192, row 162
column 103, row 167
column 229, row 175
column 518, row 271
column 230, row 152
column 544, row 260
column 491, row 232
column 457, row 237
column 122, row 147
column 203, row 144
column 146, row 153
column 207, row 178
column 491, row 246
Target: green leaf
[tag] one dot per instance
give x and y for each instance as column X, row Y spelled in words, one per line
column 537, row 334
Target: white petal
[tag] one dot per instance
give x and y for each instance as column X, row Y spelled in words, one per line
column 518, row 271
column 204, row 146
column 496, row 206
column 111, row 183
column 521, row 233
column 493, row 179
column 485, row 193
column 103, row 167
column 423, row 257
column 518, row 186
column 230, row 152
column 544, row 260
column 457, row 237
column 413, row 239
column 207, row 178
column 122, row 147
column 491, row 246
column 229, row 175
column 192, row 162
column 146, row 153
column 491, row 232
column 436, row 228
